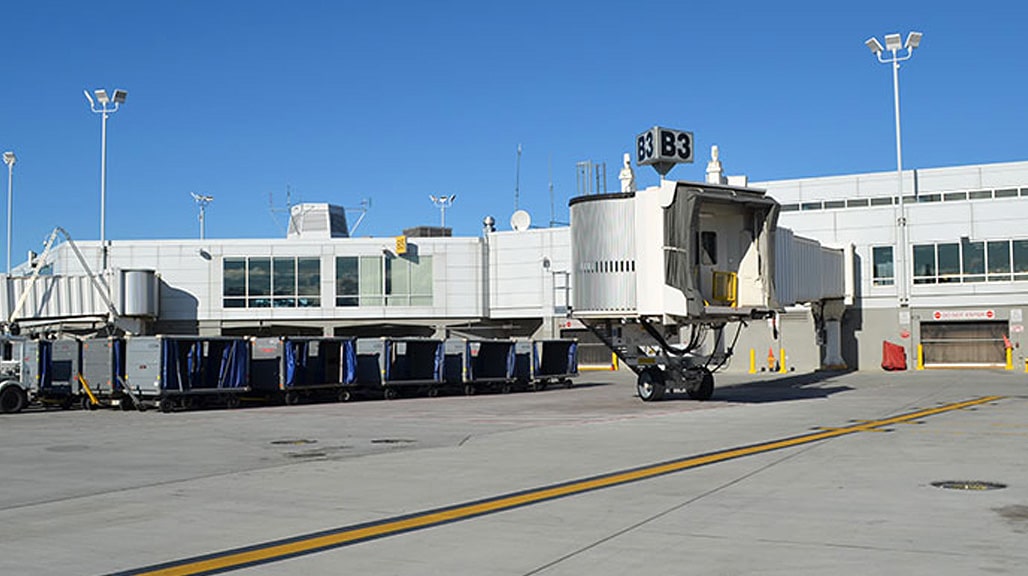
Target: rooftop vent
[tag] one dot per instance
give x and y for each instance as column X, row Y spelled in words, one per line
column 317, row 221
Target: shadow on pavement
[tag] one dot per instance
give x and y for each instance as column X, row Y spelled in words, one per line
column 783, row 389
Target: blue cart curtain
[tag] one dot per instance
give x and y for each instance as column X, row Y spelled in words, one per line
column 296, row 359
column 234, row 360
column 45, row 354
column 349, row 354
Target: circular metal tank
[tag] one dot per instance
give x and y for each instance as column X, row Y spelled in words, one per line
column 603, row 254
column 139, row 293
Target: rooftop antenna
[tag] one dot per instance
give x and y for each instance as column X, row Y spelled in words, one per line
column 202, row 200
column 549, row 176
column 275, row 211
column 443, row 202
column 517, row 179
column 363, row 209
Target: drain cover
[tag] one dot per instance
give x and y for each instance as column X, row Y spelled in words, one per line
column 975, row 485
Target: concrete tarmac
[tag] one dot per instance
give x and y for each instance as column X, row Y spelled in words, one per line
column 110, row 492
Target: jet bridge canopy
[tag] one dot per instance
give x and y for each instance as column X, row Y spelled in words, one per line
column 682, row 251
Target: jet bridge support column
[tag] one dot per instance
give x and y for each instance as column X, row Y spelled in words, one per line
column 832, row 311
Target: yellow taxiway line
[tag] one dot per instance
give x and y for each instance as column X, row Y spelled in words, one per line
column 310, row 543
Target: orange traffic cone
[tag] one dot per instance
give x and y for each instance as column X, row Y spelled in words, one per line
column 771, row 363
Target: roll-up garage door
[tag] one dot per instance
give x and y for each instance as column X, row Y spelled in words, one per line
column 964, row 344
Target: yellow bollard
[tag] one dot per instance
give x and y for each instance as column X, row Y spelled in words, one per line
column 920, row 357
column 781, row 361
column 753, row 361
column 1010, row 359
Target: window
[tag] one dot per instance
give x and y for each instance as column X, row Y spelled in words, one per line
column 1020, row 259
column 998, row 256
column 882, row 274
column 708, row 241
column 973, row 260
column 308, row 282
column 924, row 264
column 882, row 201
column 378, row 281
column 857, row 202
column 265, row 282
column 234, row 282
column 258, row 282
column 371, row 281
column 347, row 281
column 949, row 262
column 285, row 282
column 951, row 196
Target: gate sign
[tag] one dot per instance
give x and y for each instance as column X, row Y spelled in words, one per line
column 662, row 148
column 963, row 315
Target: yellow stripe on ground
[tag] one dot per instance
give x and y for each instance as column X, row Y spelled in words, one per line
column 308, row 544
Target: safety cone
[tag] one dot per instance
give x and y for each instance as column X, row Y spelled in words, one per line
column 771, row 362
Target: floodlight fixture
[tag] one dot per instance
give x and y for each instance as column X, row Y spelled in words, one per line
column 893, row 41
column 874, row 45
column 104, row 105
column 913, row 40
column 9, row 158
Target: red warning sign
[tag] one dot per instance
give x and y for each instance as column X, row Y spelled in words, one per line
column 964, row 315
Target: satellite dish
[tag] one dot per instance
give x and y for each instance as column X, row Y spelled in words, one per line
column 520, row 221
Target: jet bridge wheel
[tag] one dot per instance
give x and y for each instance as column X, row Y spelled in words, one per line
column 703, row 388
column 650, row 384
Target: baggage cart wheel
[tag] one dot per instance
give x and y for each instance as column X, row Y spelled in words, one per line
column 567, row 383
column 704, row 389
column 12, row 400
column 506, row 388
column 232, row 402
column 433, row 392
column 166, row 405
column 650, row 384
column 469, row 389
column 87, row 404
column 126, row 404
column 292, row 398
column 344, row 396
column 389, row 393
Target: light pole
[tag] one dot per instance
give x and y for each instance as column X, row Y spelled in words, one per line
column 117, row 99
column 9, row 159
column 202, row 200
column 443, row 202
column 894, row 43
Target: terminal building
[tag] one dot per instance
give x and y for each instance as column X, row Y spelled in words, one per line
column 951, row 282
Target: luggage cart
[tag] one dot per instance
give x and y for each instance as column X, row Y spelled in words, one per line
column 555, row 361
column 186, row 371
column 50, row 368
column 102, row 375
column 539, row 363
column 388, row 365
column 305, row 367
column 474, row 364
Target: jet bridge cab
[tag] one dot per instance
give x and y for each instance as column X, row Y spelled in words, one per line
column 660, row 272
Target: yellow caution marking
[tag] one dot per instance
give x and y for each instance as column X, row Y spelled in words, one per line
column 311, row 543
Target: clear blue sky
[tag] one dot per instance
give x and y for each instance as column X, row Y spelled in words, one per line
column 393, row 101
